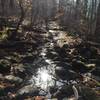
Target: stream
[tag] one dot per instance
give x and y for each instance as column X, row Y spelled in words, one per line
column 45, row 75
column 52, row 66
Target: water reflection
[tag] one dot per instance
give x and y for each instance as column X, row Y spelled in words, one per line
column 43, row 78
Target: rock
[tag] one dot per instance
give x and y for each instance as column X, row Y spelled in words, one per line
column 60, row 50
column 13, row 79
column 28, row 90
column 65, row 91
column 64, row 65
column 66, row 74
column 88, row 94
column 87, row 50
column 81, row 67
column 96, row 61
column 4, row 67
column 77, row 57
column 28, row 59
column 3, row 53
column 60, row 72
column 19, row 67
column 18, row 70
column 96, row 72
column 22, row 70
column 53, row 89
column 65, row 46
column 50, row 55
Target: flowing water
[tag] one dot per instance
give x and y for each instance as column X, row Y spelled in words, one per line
column 45, row 76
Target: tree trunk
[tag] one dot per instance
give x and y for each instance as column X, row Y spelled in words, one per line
column 14, row 33
column 97, row 31
column 21, row 17
column 3, row 6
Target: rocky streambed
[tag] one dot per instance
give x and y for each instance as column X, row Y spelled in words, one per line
column 52, row 65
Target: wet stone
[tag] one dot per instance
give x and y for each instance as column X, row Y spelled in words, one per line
column 81, row 67
column 18, row 70
column 88, row 93
column 65, row 65
column 28, row 59
column 96, row 72
column 28, row 90
column 65, row 91
column 4, row 66
column 13, row 79
column 66, row 74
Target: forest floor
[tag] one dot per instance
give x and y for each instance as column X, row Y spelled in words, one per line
column 49, row 64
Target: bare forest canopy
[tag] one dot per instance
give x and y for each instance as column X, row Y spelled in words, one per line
column 77, row 16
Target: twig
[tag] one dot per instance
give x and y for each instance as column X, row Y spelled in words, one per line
column 75, row 92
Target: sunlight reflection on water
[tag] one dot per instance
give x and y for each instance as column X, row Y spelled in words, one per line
column 43, row 79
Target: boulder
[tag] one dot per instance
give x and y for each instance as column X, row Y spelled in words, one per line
column 96, row 73
column 4, row 66
column 66, row 74
column 65, row 91
column 88, row 94
column 18, row 70
column 81, row 67
column 61, row 51
column 28, row 90
column 13, row 79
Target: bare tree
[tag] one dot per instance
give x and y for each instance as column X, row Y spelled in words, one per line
column 22, row 13
column 97, row 30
